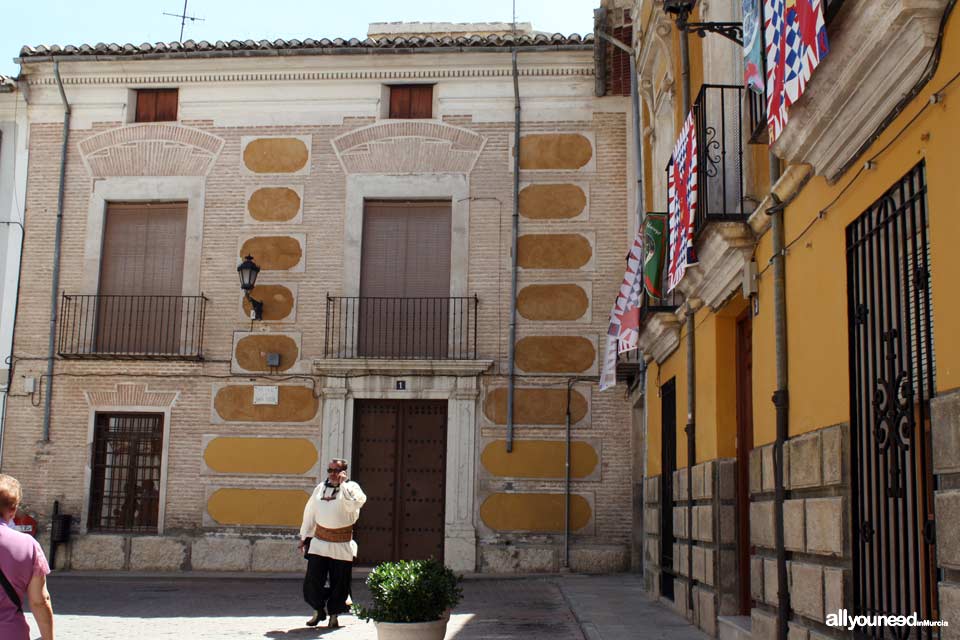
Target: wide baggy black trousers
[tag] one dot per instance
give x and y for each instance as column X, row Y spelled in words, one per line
column 332, row 599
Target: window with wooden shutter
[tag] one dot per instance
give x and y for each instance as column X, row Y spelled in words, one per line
column 157, row 105
column 411, row 101
column 141, row 278
column 405, row 280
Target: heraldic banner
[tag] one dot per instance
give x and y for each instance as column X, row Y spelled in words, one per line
column 682, row 201
column 752, row 46
column 624, row 329
column 654, row 252
column 796, row 39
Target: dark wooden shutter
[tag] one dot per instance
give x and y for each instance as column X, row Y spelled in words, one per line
column 157, row 105
column 405, row 279
column 411, row 101
column 141, row 277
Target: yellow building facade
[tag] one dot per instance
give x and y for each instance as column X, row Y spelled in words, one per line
column 864, row 189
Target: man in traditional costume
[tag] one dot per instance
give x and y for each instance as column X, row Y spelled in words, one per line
column 326, row 536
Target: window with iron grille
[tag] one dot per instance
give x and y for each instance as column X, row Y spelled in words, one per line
column 125, row 487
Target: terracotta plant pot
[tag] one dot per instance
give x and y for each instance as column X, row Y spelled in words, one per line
column 434, row 630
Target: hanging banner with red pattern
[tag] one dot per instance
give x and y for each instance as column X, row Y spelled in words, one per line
column 682, row 202
column 796, row 39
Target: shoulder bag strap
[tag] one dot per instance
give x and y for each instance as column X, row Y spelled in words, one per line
column 11, row 592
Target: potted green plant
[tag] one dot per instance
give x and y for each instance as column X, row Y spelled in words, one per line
column 412, row 599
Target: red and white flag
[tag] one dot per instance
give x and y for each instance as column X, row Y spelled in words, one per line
column 682, row 202
column 623, row 332
column 796, row 38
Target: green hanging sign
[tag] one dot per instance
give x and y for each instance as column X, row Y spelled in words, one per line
column 654, row 253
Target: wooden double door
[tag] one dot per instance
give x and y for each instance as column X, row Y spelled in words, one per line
column 400, row 460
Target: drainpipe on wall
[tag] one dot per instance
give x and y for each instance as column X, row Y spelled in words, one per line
column 780, row 397
column 513, row 253
column 566, row 491
column 691, row 431
column 55, row 284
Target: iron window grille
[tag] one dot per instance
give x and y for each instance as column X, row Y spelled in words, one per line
column 892, row 369
column 427, row 328
column 125, row 482
column 131, row 327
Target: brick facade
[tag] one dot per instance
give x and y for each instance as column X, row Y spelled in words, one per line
column 200, row 146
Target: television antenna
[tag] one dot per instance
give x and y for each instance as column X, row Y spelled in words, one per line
column 183, row 18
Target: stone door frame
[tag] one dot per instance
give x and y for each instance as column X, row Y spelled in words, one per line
column 454, row 381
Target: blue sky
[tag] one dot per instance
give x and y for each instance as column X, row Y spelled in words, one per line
column 136, row 21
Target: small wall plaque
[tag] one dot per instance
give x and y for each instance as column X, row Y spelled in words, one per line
column 266, row 395
column 401, row 385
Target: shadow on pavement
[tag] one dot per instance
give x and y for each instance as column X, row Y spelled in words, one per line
column 305, row 632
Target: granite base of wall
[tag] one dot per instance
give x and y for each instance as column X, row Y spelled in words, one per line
column 109, row 552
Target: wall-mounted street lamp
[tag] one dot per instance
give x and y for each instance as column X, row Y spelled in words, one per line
column 681, row 10
column 248, row 271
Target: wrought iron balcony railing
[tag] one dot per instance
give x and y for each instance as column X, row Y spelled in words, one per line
column 131, row 327
column 401, row 328
column 718, row 112
column 757, row 104
column 669, row 303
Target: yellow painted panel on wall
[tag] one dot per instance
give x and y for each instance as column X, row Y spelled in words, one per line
column 535, row 512
column 251, row 352
column 555, row 354
column 234, row 403
column 273, row 252
column 535, row 406
column 260, row 455
column 258, row 507
column 276, row 155
column 554, row 151
column 274, row 204
column 277, row 301
column 553, row 251
column 551, row 201
column 539, row 459
column 552, row 302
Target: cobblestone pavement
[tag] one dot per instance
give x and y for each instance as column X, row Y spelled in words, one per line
column 87, row 608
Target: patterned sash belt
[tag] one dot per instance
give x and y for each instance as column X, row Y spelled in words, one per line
column 343, row 534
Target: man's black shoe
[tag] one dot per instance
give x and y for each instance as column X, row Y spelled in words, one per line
column 317, row 617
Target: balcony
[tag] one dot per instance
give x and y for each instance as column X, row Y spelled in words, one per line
column 131, row 327
column 401, row 328
column 718, row 113
column 659, row 325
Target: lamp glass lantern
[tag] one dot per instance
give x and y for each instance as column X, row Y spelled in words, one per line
column 678, row 7
column 248, row 271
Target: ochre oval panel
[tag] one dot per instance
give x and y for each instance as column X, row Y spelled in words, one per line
column 551, row 201
column 263, row 507
column 276, row 155
column 555, row 354
column 274, row 204
column 260, row 455
column 276, row 253
column 251, row 352
column 295, row 404
column 539, row 459
column 553, row 251
column 552, row 302
column 535, row 406
column 554, row 151
column 277, row 301
column 538, row 512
